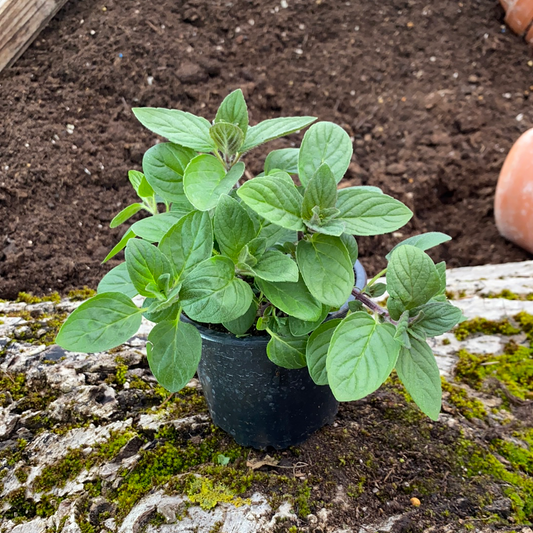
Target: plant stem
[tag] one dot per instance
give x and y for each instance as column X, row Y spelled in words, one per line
column 375, row 278
column 374, row 307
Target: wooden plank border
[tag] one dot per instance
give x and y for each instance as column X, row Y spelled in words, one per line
column 20, row 23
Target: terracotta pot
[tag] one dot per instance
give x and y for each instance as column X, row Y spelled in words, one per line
column 519, row 16
column 513, row 205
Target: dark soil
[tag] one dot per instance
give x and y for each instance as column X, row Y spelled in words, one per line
column 429, row 91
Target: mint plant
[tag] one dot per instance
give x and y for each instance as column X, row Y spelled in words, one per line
column 267, row 255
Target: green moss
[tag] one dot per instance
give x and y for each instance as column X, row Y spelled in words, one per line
column 301, row 500
column 445, row 342
column 29, row 397
column 526, row 324
column 468, row 407
column 513, row 368
column 487, row 327
column 31, row 299
column 517, row 486
column 81, row 294
column 120, row 373
column 208, row 494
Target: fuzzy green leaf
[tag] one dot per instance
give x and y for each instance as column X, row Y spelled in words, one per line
column 188, row 242
column 437, row 317
column 177, row 126
column 292, row 298
column 125, row 214
column 205, row 180
column 242, row 324
column 361, row 355
column 324, row 142
column 351, row 245
column 118, row 280
column 418, row 371
column 370, row 213
column 274, row 198
column 272, row 129
column 135, row 178
column 227, row 137
column 104, row 322
column 275, row 266
column 234, row 229
column 287, row 352
column 285, row 159
column 164, row 165
column 326, row 269
column 317, row 351
column 412, row 278
column 299, row 327
column 233, row 109
column 425, row 241
column 173, row 350
column 321, row 191
column 152, row 229
column 212, row 294
column 145, row 264
column 130, row 234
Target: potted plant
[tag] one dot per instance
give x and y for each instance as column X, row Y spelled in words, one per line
column 250, row 279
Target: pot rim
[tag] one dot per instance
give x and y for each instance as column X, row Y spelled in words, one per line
column 229, row 338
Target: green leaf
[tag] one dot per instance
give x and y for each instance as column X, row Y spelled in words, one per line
column 331, row 227
column 321, row 191
column 351, row 245
column 412, row 278
column 135, row 178
column 272, row 129
column 205, row 180
column 376, row 290
column 233, row 110
column 242, row 324
column 292, row 298
column 274, row 198
column 273, row 234
column 168, row 313
column 299, row 327
column 441, row 269
column 145, row 189
column 317, row 351
column 145, row 265
column 324, row 142
column 401, row 330
column 212, row 294
column 228, row 137
column 118, row 280
column 285, row 159
column 234, row 229
column 395, row 307
column 425, row 241
column 361, row 355
column 177, row 126
column 326, row 269
column 130, row 234
column 437, row 317
column 126, row 213
column 188, row 242
column 173, row 350
column 105, row 321
column 418, row 371
column 275, row 266
column 370, row 213
column 153, row 228
column 287, row 352
column 164, row 165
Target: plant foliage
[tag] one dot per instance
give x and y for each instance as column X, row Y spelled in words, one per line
column 267, row 255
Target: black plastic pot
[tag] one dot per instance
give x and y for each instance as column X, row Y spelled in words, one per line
column 257, row 402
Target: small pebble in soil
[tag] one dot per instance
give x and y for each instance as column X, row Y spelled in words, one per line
column 415, row 502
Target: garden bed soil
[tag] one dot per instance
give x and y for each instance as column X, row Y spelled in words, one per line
column 434, row 95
